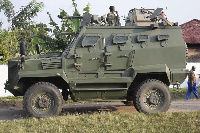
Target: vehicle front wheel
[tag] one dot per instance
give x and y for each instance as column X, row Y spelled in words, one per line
column 152, row 96
column 42, row 99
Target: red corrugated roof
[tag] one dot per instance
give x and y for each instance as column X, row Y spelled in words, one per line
column 191, row 31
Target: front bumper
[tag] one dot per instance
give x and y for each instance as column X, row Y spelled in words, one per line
column 13, row 77
column 12, row 86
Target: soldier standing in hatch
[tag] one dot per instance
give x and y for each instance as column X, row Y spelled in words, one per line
column 192, row 84
column 112, row 18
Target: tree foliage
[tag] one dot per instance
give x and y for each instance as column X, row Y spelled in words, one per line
column 67, row 25
column 76, row 22
column 59, row 42
column 23, row 18
column 23, row 28
column 87, row 9
column 8, row 44
column 8, row 9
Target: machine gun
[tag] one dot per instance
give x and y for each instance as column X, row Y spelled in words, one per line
column 146, row 17
column 159, row 15
column 88, row 19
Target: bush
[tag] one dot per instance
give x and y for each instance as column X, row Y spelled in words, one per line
column 8, row 45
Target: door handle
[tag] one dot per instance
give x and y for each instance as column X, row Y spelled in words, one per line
column 124, row 56
column 95, row 58
column 77, row 64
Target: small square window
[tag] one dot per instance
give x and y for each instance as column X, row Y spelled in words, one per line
column 90, row 40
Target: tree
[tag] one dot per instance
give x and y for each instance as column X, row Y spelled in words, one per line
column 24, row 18
column 87, row 9
column 22, row 28
column 60, row 42
column 0, row 25
column 8, row 44
column 8, row 9
column 68, row 25
column 76, row 22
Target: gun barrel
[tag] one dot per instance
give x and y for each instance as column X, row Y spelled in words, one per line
column 70, row 17
column 67, row 33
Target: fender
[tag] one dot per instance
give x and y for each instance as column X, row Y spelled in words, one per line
column 158, row 68
column 44, row 73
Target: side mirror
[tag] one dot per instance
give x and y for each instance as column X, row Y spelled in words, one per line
column 22, row 48
column 37, row 46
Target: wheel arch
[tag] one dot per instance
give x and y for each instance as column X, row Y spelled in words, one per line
column 161, row 76
column 159, row 72
column 25, row 82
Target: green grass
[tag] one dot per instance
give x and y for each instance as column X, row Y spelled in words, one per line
column 11, row 98
column 174, row 90
column 113, row 122
column 182, row 122
column 181, row 90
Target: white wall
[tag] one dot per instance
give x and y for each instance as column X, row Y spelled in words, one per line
column 3, row 78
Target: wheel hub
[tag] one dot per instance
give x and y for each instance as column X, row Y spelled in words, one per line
column 43, row 103
column 154, row 98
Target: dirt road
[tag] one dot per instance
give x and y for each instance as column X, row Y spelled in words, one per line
column 17, row 112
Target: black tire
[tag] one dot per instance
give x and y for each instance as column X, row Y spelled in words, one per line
column 43, row 99
column 152, row 96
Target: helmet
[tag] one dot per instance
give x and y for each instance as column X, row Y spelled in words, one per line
column 193, row 67
column 112, row 8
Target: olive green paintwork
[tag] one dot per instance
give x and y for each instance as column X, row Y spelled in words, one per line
column 102, row 61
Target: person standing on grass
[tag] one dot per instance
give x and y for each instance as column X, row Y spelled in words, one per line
column 192, row 84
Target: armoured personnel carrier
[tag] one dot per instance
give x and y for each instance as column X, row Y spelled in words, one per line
column 136, row 62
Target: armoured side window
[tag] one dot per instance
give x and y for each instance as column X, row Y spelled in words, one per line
column 89, row 41
column 120, row 38
column 163, row 37
column 142, row 38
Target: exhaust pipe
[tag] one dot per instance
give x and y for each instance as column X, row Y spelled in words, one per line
column 22, row 48
column 37, row 46
column 22, row 51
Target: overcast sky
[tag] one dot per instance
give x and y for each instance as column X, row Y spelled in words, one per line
column 179, row 11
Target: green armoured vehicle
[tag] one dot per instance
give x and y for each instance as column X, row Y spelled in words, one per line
column 105, row 62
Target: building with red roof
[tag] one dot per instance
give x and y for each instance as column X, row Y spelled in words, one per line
column 191, row 36
column 191, row 31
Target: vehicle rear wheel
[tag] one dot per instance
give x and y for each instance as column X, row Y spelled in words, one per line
column 152, row 96
column 42, row 99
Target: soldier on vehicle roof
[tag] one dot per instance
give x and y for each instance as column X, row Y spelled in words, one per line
column 113, row 17
column 192, row 84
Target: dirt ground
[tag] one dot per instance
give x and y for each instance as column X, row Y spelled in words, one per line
column 11, row 110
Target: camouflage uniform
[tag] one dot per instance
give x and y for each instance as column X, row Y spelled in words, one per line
column 112, row 19
column 191, row 85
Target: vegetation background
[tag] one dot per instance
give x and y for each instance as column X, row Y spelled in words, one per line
column 24, row 28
